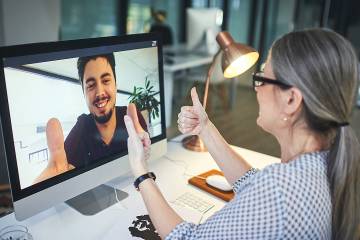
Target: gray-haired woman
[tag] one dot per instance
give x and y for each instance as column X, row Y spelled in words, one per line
column 305, row 97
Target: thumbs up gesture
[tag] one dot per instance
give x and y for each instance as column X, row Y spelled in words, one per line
column 192, row 119
column 138, row 142
column 55, row 140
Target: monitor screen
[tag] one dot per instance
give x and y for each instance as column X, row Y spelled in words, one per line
column 63, row 105
column 202, row 26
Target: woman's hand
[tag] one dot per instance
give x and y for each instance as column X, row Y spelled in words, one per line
column 192, row 119
column 138, row 147
column 144, row 136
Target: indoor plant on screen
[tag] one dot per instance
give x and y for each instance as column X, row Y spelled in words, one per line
column 146, row 103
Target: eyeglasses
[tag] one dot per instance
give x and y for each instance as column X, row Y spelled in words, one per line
column 259, row 80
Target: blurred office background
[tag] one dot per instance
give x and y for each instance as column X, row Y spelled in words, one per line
column 254, row 22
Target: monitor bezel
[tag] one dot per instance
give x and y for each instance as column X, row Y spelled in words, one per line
column 50, row 47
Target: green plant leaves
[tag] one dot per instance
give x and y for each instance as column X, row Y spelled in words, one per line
column 144, row 99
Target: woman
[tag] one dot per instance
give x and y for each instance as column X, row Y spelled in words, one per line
column 305, row 97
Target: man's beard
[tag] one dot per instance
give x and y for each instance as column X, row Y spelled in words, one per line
column 103, row 118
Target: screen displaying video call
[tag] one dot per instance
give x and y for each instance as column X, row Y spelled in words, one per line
column 69, row 111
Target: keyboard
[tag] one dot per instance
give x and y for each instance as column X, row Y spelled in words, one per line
column 192, row 201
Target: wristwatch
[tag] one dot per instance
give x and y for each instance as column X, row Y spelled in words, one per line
column 142, row 178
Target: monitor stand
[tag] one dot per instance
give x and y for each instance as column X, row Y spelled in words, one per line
column 96, row 199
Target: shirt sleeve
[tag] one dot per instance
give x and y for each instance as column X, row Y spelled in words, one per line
column 244, row 180
column 256, row 212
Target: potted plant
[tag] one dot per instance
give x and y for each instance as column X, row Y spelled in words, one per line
column 145, row 101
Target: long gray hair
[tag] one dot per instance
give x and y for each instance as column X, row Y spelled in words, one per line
column 324, row 66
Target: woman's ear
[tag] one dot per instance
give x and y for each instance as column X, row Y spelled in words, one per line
column 292, row 99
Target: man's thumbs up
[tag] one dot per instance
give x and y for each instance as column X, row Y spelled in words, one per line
column 55, row 141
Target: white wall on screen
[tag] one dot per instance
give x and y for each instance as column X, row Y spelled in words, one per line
column 35, row 98
column 63, row 67
column 134, row 65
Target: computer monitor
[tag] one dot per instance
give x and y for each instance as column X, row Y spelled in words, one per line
column 81, row 84
column 202, row 26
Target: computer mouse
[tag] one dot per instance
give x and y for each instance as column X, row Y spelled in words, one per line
column 219, row 182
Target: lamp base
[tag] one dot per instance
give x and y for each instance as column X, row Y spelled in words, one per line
column 194, row 143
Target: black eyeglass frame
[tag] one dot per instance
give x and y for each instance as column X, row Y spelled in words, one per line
column 262, row 80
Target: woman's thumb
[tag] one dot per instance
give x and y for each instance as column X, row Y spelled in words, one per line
column 195, row 98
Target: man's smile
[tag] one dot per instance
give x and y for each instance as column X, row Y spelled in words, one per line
column 101, row 103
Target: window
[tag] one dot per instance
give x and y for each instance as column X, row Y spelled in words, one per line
column 84, row 19
column 139, row 17
column 207, row 3
column 239, row 19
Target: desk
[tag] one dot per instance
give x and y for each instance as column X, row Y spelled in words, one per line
column 181, row 62
column 62, row 222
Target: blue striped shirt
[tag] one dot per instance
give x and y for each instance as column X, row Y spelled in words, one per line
column 283, row 201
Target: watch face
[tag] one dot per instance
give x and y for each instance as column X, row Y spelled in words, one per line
column 152, row 175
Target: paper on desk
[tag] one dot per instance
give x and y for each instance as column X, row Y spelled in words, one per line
column 187, row 214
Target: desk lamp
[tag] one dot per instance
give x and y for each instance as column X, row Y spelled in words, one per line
column 236, row 59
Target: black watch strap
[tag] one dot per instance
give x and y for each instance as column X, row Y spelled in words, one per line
column 142, row 178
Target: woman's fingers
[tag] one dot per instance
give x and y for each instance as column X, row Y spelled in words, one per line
column 186, row 111
column 187, row 122
column 186, row 130
column 145, row 139
column 146, row 142
column 137, row 153
column 187, row 115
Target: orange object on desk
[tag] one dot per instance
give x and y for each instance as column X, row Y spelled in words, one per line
column 201, row 183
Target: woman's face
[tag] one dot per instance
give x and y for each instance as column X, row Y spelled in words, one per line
column 269, row 110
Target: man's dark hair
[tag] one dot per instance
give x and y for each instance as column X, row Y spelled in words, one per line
column 82, row 61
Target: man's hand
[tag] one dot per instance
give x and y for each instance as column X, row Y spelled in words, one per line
column 192, row 119
column 138, row 142
column 55, row 140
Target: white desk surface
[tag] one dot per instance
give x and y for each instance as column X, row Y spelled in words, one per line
column 62, row 222
column 186, row 62
column 186, row 59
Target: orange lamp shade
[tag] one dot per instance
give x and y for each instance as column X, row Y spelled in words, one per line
column 237, row 58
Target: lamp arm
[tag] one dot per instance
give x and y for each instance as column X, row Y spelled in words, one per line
column 208, row 76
